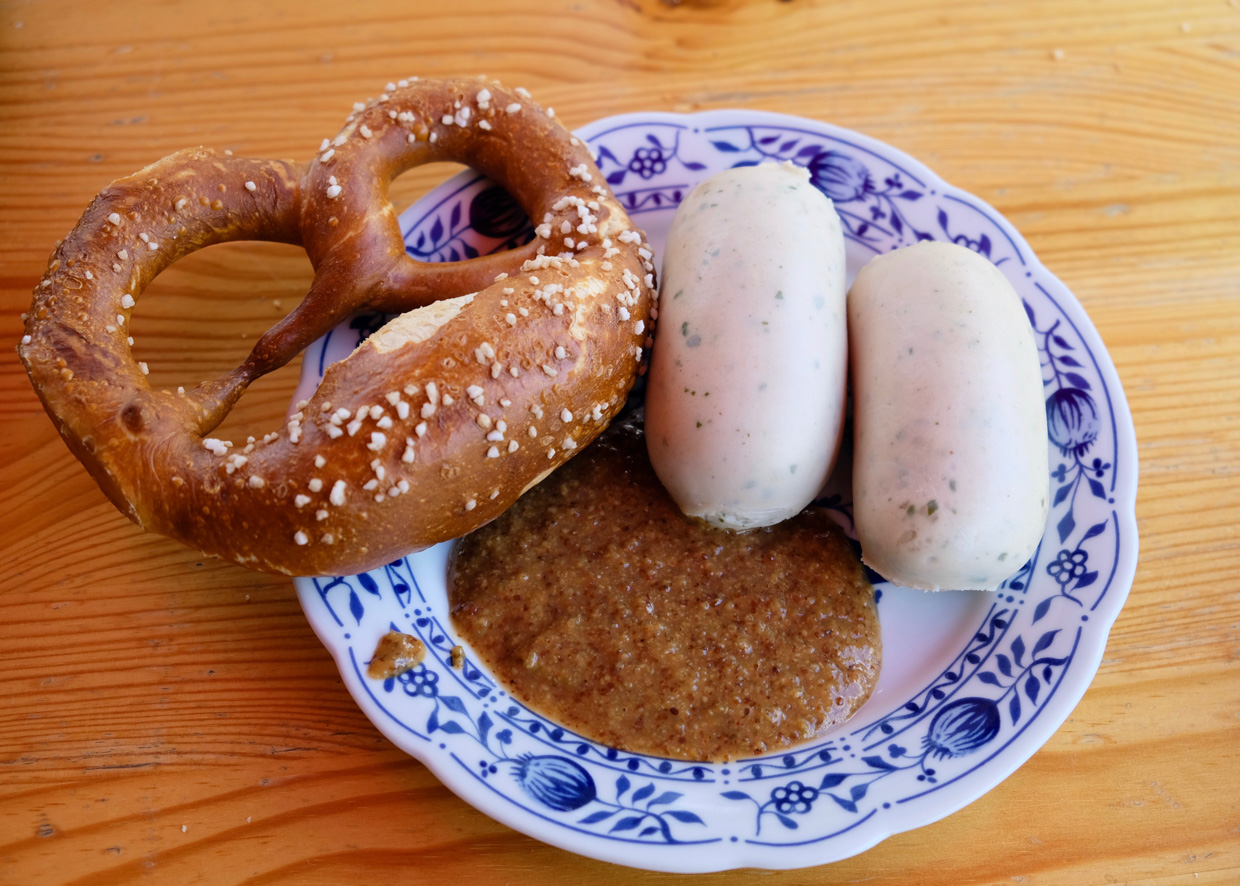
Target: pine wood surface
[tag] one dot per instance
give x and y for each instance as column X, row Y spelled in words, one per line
column 171, row 719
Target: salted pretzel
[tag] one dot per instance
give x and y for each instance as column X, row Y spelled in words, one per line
column 498, row 370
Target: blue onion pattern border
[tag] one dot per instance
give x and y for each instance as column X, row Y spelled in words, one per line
column 972, row 712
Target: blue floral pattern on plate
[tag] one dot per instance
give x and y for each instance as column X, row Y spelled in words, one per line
column 972, row 685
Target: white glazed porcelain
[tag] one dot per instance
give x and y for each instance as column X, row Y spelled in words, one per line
column 972, row 684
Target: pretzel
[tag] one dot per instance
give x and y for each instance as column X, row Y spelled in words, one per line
column 495, row 372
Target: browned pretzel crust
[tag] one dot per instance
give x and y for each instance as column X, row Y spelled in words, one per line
column 437, row 422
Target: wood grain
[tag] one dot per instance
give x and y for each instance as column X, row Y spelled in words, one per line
column 173, row 719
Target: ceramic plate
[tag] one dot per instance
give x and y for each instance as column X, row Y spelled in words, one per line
column 972, row 683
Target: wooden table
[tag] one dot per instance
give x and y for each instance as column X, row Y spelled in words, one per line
column 173, row 718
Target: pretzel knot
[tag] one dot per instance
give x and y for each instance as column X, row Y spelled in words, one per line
column 495, row 371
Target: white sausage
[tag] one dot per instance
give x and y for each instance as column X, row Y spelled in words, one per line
column 747, row 382
column 950, row 480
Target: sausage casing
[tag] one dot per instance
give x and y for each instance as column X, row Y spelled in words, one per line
column 747, row 381
column 950, row 469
